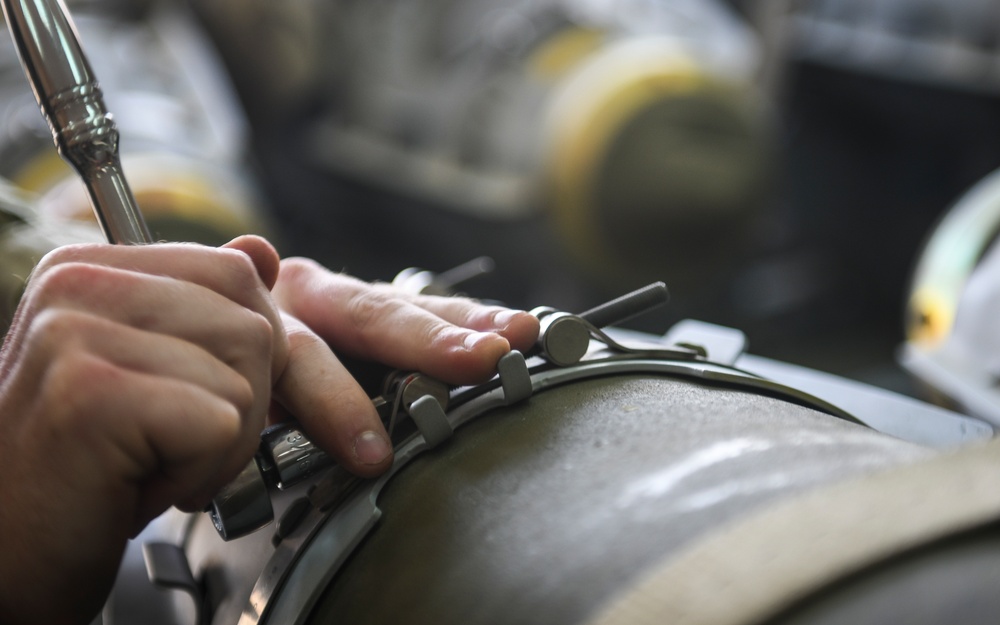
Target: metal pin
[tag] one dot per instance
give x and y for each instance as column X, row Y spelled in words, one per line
column 627, row 306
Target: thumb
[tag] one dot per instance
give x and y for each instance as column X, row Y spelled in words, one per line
column 263, row 255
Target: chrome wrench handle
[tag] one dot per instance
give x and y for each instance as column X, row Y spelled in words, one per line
column 72, row 102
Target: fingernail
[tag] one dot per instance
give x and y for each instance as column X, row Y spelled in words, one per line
column 371, row 448
column 474, row 339
column 504, row 318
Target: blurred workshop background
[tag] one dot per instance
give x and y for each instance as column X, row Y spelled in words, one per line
column 778, row 163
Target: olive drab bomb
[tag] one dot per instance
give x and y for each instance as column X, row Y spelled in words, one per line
column 607, row 476
column 546, row 494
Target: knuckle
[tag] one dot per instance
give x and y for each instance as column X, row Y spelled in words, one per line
column 298, row 337
column 240, row 272
column 472, row 312
column 366, row 307
column 259, row 330
column 55, row 328
column 250, row 341
column 73, row 253
column 350, row 399
column 297, row 270
column 75, row 383
column 225, row 429
column 242, row 396
column 253, row 346
column 433, row 333
column 68, row 279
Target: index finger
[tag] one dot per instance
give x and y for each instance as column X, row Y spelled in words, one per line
column 322, row 395
column 456, row 340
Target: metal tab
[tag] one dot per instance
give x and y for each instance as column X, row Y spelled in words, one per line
column 430, row 418
column 514, row 377
column 168, row 567
column 723, row 345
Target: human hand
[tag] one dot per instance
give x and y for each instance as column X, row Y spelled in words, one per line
column 132, row 379
column 453, row 339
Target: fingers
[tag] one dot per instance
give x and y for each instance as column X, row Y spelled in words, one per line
column 185, row 435
column 67, row 331
column 517, row 326
column 330, row 405
column 242, row 272
column 97, row 437
column 132, row 378
column 263, row 255
column 456, row 340
column 238, row 336
column 180, row 314
column 125, row 379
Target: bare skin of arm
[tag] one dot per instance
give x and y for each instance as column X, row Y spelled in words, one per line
column 137, row 378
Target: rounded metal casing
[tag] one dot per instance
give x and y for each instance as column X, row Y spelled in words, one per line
column 294, row 456
column 564, row 338
column 243, row 506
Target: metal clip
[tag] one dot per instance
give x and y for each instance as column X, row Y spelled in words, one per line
column 431, row 420
column 564, row 338
column 167, row 567
column 401, row 390
column 514, row 377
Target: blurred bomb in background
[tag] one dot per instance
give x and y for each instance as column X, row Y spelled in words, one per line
column 585, row 146
column 184, row 137
column 184, row 141
column 889, row 112
column 952, row 338
column 777, row 162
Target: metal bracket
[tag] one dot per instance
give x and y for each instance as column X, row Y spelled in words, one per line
column 431, row 420
column 564, row 339
column 514, row 377
column 428, row 413
column 401, row 390
column 721, row 344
